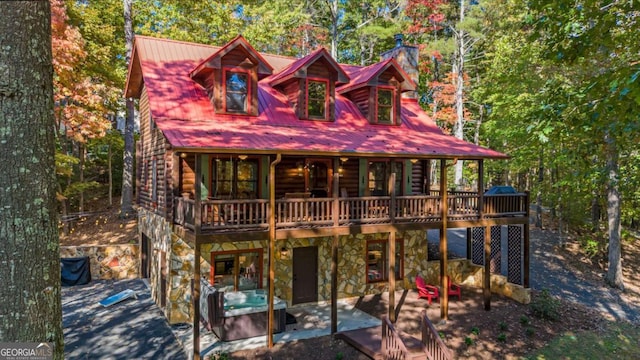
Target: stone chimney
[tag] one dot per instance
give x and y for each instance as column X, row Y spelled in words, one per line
column 407, row 57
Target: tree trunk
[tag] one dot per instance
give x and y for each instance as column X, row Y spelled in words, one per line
column 458, row 69
column 334, row 29
column 110, row 169
column 81, row 174
column 127, row 166
column 539, row 194
column 29, row 246
column 614, row 273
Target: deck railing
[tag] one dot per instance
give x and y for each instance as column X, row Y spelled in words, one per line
column 318, row 212
column 434, row 347
column 392, row 347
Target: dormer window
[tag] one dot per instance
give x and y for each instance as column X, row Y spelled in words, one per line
column 230, row 77
column 385, row 112
column 236, row 92
column 317, row 99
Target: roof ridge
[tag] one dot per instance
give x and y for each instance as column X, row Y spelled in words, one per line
column 176, row 41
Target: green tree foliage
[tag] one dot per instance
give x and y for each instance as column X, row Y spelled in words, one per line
column 563, row 89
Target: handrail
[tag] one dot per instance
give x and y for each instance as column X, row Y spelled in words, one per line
column 392, row 347
column 434, row 347
column 225, row 214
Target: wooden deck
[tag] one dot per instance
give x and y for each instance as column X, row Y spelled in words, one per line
column 369, row 342
column 321, row 214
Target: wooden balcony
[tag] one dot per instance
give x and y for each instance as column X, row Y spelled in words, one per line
column 416, row 211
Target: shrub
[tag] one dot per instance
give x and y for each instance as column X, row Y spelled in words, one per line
column 475, row 330
column 503, row 325
column 545, row 306
column 524, row 320
column 502, row 337
column 468, row 341
column 529, row 332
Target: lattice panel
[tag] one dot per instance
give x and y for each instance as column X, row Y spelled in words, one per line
column 477, row 245
column 496, row 235
column 515, row 261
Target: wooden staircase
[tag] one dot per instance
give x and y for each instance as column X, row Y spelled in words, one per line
column 386, row 343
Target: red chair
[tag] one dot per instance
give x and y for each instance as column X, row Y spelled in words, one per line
column 453, row 289
column 426, row 291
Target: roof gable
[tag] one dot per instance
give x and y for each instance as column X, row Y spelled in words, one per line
column 368, row 76
column 298, row 69
column 215, row 60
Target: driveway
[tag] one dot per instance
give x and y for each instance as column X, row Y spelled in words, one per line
column 547, row 271
column 131, row 329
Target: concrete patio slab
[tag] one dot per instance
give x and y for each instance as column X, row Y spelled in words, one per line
column 131, row 329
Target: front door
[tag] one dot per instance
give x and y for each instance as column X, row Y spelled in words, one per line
column 319, row 177
column 305, row 275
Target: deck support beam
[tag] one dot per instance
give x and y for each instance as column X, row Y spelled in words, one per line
column 272, row 246
column 195, row 297
column 334, row 247
column 486, row 291
column 444, row 212
column 392, row 250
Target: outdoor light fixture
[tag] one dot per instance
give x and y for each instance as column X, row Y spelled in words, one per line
column 300, row 168
column 344, row 159
column 284, row 252
column 183, row 155
column 414, row 161
column 242, row 157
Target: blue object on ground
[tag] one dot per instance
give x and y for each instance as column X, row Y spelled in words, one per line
column 122, row 295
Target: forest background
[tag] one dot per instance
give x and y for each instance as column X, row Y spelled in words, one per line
column 554, row 84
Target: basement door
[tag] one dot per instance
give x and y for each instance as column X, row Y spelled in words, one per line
column 305, row 275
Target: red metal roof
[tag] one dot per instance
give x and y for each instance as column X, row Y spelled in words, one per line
column 361, row 76
column 291, row 70
column 181, row 109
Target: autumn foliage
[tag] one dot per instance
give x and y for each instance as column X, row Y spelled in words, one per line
column 80, row 110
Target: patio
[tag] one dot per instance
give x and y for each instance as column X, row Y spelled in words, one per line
column 362, row 313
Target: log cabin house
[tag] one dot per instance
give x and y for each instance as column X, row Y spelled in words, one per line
column 305, row 177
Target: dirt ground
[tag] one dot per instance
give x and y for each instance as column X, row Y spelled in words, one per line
column 101, row 224
column 507, row 331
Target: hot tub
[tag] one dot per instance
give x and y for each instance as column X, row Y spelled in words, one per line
column 239, row 314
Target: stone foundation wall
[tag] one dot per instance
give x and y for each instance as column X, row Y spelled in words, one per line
column 108, row 262
column 351, row 267
column 159, row 232
column 463, row 271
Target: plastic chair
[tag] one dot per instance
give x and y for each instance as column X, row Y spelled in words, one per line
column 428, row 292
column 453, row 289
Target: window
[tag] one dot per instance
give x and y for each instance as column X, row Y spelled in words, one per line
column 237, row 92
column 154, row 180
column 234, row 178
column 385, row 108
column 377, row 264
column 317, row 99
column 239, row 270
column 379, row 172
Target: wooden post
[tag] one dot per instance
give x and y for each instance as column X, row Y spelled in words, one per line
column 334, row 247
column 469, row 243
column 444, row 211
column 526, row 244
column 426, row 172
column 272, row 246
column 195, row 297
column 392, row 249
column 486, row 291
column 480, row 189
